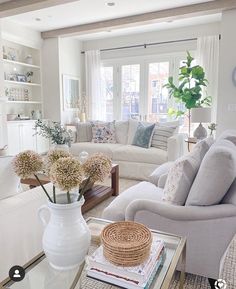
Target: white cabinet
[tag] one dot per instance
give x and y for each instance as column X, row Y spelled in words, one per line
column 21, row 136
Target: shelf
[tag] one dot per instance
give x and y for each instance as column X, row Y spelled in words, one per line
column 23, row 101
column 7, row 61
column 21, row 83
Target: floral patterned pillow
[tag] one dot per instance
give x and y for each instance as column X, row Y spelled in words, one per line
column 103, row 132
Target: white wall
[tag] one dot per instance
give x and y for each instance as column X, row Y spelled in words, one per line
column 51, row 79
column 149, row 37
column 70, row 64
column 59, row 56
column 226, row 116
column 23, row 35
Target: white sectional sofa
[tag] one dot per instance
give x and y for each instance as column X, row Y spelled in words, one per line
column 135, row 162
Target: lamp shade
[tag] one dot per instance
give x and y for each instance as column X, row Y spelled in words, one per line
column 201, row 114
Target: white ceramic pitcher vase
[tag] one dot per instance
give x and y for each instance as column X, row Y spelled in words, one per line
column 66, row 237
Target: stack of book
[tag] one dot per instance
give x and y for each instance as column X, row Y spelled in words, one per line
column 138, row 277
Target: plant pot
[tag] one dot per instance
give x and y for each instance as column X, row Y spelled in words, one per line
column 64, row 147
column 66, row 237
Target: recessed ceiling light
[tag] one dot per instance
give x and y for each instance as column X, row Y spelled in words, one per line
column 110, row 4
column 38, row 19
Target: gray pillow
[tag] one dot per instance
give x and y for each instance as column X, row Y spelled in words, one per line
column 230, row 197
column 161, row 135
column 143, row 135
column 215, row 176
column 159, row 171
column 181, row 175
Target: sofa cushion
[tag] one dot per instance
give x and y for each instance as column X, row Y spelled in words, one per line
column 143, row 135
column 103, row 132
column 92, row 148
column 122, row 131
column 131, row 153
column 159, row 171
column 161, row 135
column 162, row 181
column 215, row 176
column 83, row 132
column 144, row 190
column 230, row 197
column 182, row 173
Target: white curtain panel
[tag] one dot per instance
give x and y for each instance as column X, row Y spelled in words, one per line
column 208, row 57
column 96, row 101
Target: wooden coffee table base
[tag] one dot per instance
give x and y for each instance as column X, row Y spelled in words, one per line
column 92, row 197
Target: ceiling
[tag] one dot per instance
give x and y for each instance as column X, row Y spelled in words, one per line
column 87, row 11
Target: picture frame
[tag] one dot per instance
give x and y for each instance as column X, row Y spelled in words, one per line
column 11, row 77
column 21, row 78
column 11, row 53
column 71, row 92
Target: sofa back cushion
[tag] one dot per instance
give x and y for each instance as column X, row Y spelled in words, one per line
column 9, row 181
column 122, row 131
column 103, row 132
column 215, row 176
column 83, row 132
column 159, row 171
column 230, row 197
column 181, row 175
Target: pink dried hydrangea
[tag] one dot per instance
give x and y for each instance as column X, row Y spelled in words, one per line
column 66, row 173
column 97, row 167
column 27, row 163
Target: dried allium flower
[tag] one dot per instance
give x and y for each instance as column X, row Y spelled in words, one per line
column 66, row 173
column 53, row 156
column 27, row 163
column 97, row 167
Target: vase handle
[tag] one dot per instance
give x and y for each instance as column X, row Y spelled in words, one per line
column 41, row 217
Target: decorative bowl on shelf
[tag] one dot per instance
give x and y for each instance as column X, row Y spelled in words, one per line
column 126, row 243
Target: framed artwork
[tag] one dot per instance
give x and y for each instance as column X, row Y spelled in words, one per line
column 71, row 92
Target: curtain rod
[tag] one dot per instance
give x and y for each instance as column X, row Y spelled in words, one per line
column 148, row 44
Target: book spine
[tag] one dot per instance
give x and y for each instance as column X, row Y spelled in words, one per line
column 153, row 274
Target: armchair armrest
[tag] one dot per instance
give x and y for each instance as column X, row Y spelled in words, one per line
column 176, row 146
column 180, row 213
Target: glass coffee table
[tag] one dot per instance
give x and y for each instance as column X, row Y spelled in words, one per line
column 39, row 274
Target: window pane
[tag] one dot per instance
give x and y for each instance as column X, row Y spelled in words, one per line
column 157, row 94
column 130, row 83
column 107, row 90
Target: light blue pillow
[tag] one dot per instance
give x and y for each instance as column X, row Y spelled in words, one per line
column 143, row 136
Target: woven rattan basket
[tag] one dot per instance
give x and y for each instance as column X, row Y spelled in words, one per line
column 126, row 243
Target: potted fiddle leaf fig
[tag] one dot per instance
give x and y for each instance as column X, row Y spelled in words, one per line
column 189, row 91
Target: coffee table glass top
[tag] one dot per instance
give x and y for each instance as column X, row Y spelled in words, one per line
column 39, row 274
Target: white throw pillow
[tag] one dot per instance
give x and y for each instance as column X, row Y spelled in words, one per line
column 215, row 176
column 122, row 131
column 181, row 175
column 158, row 172
column 162, row 181
column 161, row 135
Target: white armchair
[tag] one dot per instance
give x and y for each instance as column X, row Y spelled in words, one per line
column 209, row 230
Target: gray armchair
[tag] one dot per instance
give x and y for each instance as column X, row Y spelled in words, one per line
column 209, row 230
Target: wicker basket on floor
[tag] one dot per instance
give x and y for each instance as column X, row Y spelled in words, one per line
column 126, row 243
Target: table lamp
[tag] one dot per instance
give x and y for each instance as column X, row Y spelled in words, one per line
column 200, row 115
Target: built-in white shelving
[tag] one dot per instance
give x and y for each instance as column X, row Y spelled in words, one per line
column 22, row 83
column 7, row 61
column 23, row 101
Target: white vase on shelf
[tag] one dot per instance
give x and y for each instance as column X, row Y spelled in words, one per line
column 66, row 237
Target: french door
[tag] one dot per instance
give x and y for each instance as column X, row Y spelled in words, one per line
column 134, row 88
